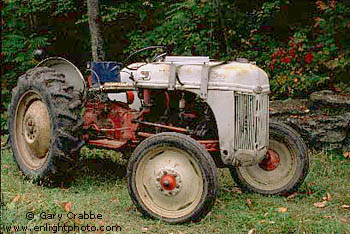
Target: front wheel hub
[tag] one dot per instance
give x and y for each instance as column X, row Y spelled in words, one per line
column 271, row 161
column 168, row 181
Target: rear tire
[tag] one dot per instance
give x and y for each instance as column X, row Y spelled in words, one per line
column 45, row 125
column 284, row 168
column 172, row 178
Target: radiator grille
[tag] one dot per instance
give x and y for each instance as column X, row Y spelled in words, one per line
column 251, row 121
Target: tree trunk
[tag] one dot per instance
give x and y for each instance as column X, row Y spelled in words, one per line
column 221, row 20
column 98, row 53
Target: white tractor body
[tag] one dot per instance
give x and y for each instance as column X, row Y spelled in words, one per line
column 237, row 93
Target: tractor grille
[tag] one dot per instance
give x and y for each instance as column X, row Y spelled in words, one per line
column 251, row 121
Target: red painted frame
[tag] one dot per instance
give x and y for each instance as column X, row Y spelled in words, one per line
column 119, row 125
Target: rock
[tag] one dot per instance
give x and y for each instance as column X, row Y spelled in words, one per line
column 289, row 106
column 325, row 125
column 328, row 100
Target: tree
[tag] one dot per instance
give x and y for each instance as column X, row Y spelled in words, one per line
column 98, row 53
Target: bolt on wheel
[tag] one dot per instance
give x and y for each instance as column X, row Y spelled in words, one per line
column 171, row 177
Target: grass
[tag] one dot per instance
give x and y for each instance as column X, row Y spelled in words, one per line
column 101, row 188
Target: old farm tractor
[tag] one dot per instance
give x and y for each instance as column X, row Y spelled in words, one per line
column 182, row 118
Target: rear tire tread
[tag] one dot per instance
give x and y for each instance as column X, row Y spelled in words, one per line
column 65, row 140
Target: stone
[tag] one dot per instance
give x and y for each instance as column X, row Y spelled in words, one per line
column 323, row 121
column 328, row 100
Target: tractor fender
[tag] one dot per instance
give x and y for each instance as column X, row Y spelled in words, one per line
column 65, row 67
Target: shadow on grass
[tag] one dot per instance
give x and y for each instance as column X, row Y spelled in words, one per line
column 102, row 168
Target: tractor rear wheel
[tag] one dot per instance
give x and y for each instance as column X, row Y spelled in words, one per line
column 44, row 125
column 284, row 167
column 172, row 178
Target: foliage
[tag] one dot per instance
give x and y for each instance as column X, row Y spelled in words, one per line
column 193, row 28
column 19, row 40
column 308, row 55
column 184, row 28
column 314, row 56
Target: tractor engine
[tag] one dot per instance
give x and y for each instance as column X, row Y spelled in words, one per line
column 105, row 119
column 112, row 124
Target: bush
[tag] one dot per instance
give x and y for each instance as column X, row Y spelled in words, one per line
column 308, row 55
column 314, row 57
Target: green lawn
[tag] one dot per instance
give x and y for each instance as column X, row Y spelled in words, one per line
column 101, row 188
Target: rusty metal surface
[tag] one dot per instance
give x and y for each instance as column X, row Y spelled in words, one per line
column 271, row 161
column 111, row 144
column 111, row 120
column 175, row 129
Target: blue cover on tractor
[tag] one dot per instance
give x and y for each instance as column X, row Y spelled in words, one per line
column 102, row 72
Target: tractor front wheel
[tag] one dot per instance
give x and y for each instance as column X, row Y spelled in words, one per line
column 172, row 178
column 284, row 167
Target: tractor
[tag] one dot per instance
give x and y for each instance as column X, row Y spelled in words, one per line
column 182, row 117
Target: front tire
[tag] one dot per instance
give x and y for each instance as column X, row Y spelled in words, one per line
column 284, row 167
column 172, row 178
column 44, row 125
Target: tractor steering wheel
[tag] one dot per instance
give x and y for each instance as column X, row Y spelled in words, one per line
column 156, row 57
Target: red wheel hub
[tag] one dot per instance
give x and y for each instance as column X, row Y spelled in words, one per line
column 168, row 182
column 271, row 161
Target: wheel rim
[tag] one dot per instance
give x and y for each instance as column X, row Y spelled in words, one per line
column 32, row 130
column 275, row 171
column 169, row 182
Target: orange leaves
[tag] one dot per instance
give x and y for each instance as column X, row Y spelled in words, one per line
column 323, row 204
column 15, row 199
column 115, row 200
column 65, row 205
column 332, row 4
column 249, row 202
column 321, row 5
column 251, row 231
column 293, row 195
column 78, row 221
column 318, row 20
column 328, row 197
column 320, row 204
column 309, row 192
column 237, row 190
column 344, row 220
column 282, row 210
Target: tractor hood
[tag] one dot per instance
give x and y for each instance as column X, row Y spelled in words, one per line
column 237, row 76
